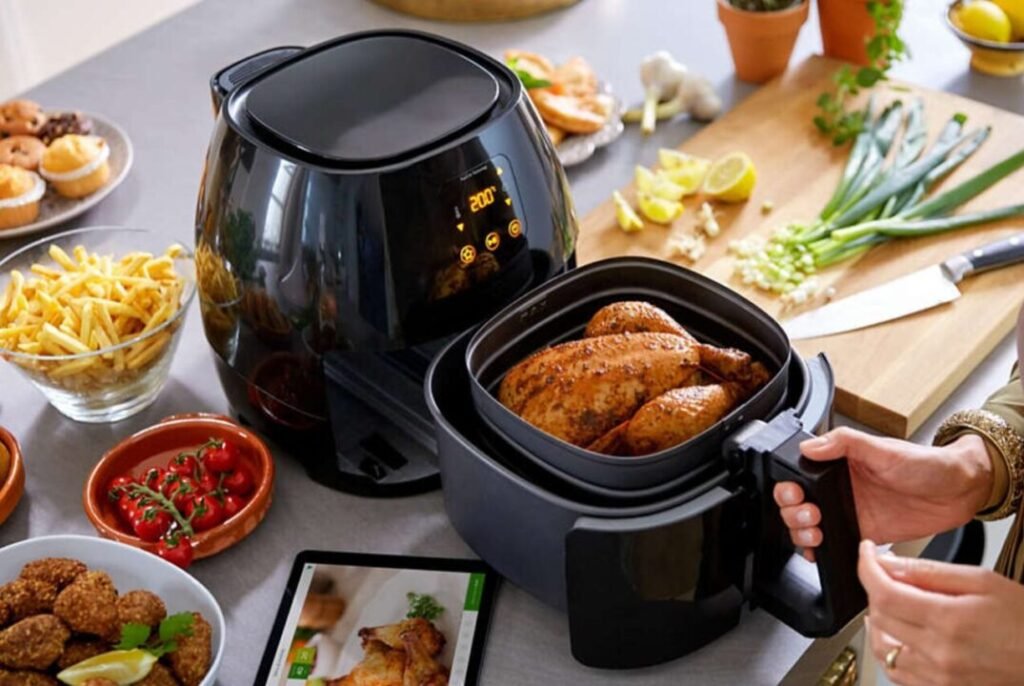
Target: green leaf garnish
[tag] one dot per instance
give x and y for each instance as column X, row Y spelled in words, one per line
column 166, row 641
column 423, row 606
column 528, row 79
column 132, row 636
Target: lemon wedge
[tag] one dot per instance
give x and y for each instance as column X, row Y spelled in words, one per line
column 1014, row 10
column 120, row 666
column 629, row 220
column 670, row 159
column 643, row 179
column 688, row 177
column 659, row 210
column 985, row 20
column 731, row 178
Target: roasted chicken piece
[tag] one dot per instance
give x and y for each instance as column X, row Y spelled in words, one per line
column 580, row 390
column 670, row 419
column 421, row 669
column 633, row 316
column 638, row 383
column 382, row 665
column 394, row 635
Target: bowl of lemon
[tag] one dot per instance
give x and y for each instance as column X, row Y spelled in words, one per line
column 993, row 30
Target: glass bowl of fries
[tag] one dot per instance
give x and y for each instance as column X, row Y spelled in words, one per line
column 93, row 316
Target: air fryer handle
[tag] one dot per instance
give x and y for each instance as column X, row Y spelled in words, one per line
column 820, row 609
column 230, row 77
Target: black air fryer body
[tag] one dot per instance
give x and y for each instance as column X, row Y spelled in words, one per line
column 363, row 201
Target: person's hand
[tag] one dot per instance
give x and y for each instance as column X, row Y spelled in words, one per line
column 948, row 624
column 901, row 490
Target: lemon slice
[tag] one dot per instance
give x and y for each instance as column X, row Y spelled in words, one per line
column 670, row 159
column 659, row 210
column 120, row 666
column 629, row 220
column 985, row 20
column 643, row 179
column 731, row 178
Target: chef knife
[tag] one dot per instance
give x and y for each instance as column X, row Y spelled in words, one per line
column 921, row 290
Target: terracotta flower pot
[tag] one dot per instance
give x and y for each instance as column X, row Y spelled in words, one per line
column 761, row 42
column 845, row 29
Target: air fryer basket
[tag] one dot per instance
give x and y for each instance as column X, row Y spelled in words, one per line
column 559, row 311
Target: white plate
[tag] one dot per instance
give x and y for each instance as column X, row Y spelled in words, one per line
column 55, row 209
column 129, row 568
column 578, row 148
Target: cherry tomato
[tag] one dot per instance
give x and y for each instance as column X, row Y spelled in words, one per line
column 233, row 504
column 176, row 549
column 150, row 523
column 183, row 491
column 168, row 483
column 205, row 512
column 118, row 486
column 221, row 458
column 239, row 481
column 183, row 465
column 127, row 506
column 153, row 477
column 209, row 483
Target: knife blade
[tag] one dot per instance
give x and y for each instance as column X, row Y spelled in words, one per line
column 906, row 295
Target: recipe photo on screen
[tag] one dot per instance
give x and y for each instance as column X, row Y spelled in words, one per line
column 352, row 624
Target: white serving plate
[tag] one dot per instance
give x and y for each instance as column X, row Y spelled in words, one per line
column 54, row 209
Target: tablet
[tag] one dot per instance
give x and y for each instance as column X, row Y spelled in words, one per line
column 374, row 617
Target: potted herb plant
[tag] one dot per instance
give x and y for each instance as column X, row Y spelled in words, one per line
column 848, row 27
column 761, row 34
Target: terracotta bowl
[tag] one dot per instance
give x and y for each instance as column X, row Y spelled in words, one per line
column 153, row 447
column 13, row 486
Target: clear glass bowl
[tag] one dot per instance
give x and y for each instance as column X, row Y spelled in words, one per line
column 107, row 389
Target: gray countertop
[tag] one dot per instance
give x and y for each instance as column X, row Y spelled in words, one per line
column 155, row 86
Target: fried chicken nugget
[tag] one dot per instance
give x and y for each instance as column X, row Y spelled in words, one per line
column 191, row 660
column 160, row 675
column 99, row 681
column 140, row 607
column 26, row 678
column 33, row 643
column 78, row 649
column 27, row 597
column 56, row 571
column 89, row 605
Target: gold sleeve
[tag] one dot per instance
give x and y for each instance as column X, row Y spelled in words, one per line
column 1001, row 423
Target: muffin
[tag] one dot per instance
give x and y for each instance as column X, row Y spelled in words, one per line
column 62, row 123
column 22, row 151
column 21, row 118
column 20, row 192
column 76, row 166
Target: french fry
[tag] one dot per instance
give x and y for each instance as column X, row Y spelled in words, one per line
column 87, row 303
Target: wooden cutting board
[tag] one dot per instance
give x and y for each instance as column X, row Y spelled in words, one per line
column 892, row 376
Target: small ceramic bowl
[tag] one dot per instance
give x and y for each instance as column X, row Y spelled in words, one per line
column 128, row 569
column 153, row 447
column 988, row 57
column 12, row 487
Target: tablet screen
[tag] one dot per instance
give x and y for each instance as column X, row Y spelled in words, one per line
column 378, row 624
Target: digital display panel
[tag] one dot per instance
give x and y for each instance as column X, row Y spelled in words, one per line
column 483, row 214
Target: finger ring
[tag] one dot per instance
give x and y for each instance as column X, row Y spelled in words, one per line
column 890, row 657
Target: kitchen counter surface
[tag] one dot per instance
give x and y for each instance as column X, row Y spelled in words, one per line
column 155, row 86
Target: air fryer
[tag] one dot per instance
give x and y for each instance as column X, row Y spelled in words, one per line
column 645, row 575
column 345, row 233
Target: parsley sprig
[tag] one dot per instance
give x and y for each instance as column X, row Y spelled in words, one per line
column 423, row 605
column 166, row 640
column 884, row 49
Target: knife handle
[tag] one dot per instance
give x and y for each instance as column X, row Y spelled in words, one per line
column 1001, row 253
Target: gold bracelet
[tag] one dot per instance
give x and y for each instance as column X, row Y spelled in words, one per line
column 1008, row 442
